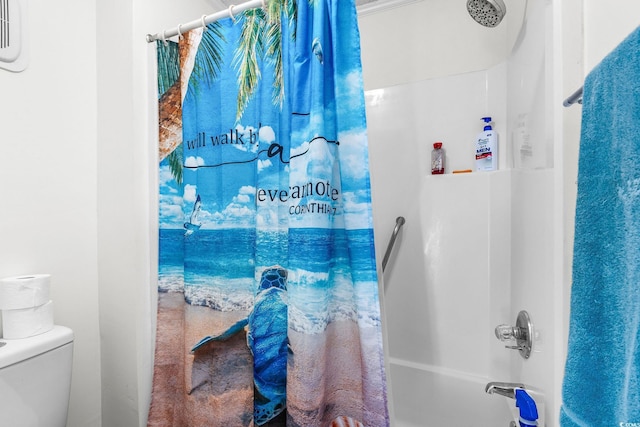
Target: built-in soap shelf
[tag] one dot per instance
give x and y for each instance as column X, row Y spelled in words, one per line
column 474, row 174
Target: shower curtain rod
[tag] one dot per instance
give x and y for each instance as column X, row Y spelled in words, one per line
column 206, row 20
column 573, row 98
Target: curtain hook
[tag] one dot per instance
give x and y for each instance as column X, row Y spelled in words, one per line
column 164, row 38
column 204, row 24
column 180, row 36
column 233, row 18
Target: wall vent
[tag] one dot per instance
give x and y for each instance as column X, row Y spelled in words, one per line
column 12, row 46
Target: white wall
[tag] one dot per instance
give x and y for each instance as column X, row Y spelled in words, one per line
column 606, row 24
column 127, row 204
column 48, row 163
column 123, row 258
column 430, row 38
column 437, row 38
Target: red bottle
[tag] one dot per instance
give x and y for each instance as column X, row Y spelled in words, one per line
column 437, row 159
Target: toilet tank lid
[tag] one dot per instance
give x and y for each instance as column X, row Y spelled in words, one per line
column 14, row 351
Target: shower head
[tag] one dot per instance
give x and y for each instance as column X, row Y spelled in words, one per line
column 487, row 12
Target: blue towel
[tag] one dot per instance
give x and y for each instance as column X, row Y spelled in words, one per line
column 602, row 376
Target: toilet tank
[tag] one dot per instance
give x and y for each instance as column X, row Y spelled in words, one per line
column 35, row 379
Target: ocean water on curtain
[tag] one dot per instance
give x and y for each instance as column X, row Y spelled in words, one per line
column 227, row 284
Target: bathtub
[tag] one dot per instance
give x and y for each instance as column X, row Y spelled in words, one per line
column 427, row 396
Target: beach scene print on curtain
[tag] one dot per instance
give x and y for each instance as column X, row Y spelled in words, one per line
column 268, row 306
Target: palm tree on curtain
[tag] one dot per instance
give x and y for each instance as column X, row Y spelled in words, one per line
column 262, row 37
column 169, row 106
column 200, row 53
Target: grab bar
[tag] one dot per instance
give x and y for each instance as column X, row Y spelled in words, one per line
column 575, row 97
column 396, row 229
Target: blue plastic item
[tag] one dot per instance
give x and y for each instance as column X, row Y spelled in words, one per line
column 487, row 120
column 528, row 409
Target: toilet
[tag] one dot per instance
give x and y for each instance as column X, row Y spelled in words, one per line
column 35, row 379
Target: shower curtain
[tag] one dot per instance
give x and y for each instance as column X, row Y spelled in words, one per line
column 268, row 310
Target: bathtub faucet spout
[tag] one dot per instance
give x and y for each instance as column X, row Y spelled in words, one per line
column 504, row 389
column 524, row 402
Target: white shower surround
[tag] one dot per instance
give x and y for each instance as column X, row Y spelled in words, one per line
column 476, row 248
column 448, row 279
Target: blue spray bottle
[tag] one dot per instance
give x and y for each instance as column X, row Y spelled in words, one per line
column 528, row 409
column 487, row 148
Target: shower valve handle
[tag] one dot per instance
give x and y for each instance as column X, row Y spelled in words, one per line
column 514, row 347
column 522, row 334
column 507, row 333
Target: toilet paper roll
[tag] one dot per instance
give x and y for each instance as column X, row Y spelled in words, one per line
column 27, row 322
column 24, row 291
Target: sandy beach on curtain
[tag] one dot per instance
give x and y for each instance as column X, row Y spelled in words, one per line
column 216, row 385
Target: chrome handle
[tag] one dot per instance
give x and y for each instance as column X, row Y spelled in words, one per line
column 504, row 389
column 506, row 332
column 514, row 347
column 396, row 229
column 522, row 334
